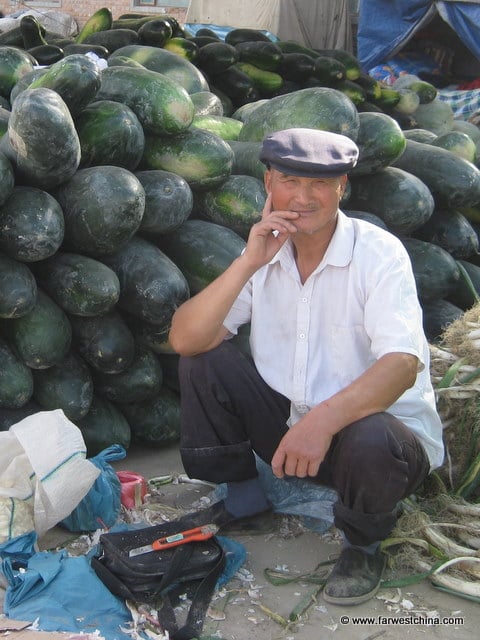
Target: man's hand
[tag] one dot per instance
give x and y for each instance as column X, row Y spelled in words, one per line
column 302, row 449
column 268, row 235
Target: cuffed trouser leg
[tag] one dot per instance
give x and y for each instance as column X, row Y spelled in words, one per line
column 227, row 412
column 373, row 464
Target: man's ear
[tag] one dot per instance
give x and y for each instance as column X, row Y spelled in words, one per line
column 267, row 179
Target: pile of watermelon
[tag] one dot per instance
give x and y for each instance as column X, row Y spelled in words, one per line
column 129, row 181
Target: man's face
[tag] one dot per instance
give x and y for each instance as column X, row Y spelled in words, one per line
column 315, row 199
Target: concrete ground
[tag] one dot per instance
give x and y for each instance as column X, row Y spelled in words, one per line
column 249, row 607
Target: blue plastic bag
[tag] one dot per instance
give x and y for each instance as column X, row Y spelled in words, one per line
column 100, row 508
column 63, row 594
column 294, row 496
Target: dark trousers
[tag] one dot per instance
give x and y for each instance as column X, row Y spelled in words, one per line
column 228, row 412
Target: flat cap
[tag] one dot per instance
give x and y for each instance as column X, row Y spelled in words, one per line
column 311, row 153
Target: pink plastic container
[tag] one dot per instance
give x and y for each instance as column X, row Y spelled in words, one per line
column 133, row 488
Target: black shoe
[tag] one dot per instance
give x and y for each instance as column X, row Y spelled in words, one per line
column 214, row 514
column 355, row 578
column 218, row 514
column 256, row 524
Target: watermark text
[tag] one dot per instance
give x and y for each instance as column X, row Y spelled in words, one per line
column 425, row 621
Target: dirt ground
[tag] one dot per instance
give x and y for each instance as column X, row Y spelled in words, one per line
column 250, row 607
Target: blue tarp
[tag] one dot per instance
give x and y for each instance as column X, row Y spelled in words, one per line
column 219, row 30
column 385, row 26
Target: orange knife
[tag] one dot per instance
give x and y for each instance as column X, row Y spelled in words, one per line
column 173, row 540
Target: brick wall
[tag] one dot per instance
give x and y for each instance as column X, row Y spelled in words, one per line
column 81, row 11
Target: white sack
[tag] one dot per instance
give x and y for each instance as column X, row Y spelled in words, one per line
column 43, row 458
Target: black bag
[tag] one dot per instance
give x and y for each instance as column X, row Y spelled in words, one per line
column 156, row 577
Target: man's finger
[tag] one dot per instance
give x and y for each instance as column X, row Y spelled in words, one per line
column 278, row 461
column 290, row 465
column 267, row 207
column 302, row 468
column 313, row 468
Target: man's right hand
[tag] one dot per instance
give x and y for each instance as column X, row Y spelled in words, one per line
column 268, row 235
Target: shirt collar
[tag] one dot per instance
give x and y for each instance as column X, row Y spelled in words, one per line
column 340, row 249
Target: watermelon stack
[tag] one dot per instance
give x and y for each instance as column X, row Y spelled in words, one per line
column 124, row 190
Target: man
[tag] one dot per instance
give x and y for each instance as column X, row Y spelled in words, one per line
column 339, row 389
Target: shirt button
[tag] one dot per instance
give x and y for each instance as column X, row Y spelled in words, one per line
column 304, row 299
column 301, row 336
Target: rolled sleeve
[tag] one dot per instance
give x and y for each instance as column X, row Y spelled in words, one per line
column 241, row 311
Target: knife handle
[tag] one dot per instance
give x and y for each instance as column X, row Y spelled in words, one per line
column 192, row 535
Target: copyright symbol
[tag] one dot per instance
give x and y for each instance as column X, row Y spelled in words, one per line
column 344, row 620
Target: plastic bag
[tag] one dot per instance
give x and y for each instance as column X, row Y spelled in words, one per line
column 293, row 496
column 100, row 508
column 300, row 497
column 62, row 593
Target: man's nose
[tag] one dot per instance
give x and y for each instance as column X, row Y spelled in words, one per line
column 303, row 193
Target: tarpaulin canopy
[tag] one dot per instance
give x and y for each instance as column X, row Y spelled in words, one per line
column 385, row 26
column 323, row 24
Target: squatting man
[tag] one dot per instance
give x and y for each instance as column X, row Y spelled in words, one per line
column 337, row 388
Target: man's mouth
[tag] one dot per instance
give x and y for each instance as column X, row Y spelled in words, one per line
column 305, row 212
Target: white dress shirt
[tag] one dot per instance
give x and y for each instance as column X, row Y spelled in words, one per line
column 311, row 340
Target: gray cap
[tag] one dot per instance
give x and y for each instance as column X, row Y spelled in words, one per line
column 309, row 152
